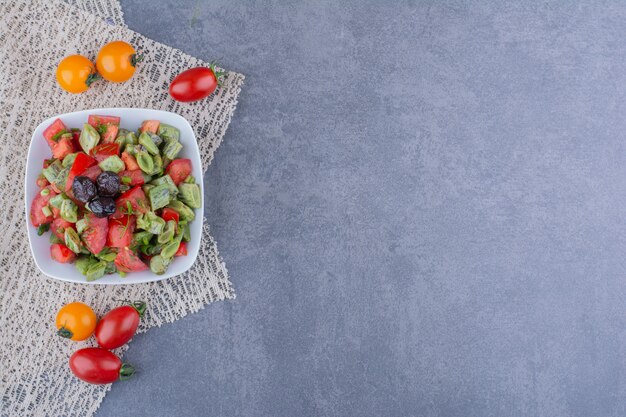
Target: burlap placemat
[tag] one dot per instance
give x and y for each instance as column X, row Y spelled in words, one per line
column 34, row 36
column 108, row 10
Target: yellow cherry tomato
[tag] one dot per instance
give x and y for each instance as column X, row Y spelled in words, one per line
column 75, row 74
column 76, row 321
column 116, row 61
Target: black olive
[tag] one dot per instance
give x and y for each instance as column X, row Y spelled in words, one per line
column 108, row 184
column 83, row 188
column 102, row 206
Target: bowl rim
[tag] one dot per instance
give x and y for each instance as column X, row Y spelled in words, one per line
column 198, row 221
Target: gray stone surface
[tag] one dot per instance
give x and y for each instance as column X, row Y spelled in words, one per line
column 421, row 207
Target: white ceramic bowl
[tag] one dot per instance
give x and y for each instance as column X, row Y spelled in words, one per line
column 130, row 119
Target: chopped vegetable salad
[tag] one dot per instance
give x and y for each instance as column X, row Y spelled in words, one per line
column 115, row 200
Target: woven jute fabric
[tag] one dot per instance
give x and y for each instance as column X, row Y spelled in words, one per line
column 109, row 10
column 34, row 36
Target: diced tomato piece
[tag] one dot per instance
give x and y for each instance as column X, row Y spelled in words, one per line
column 137, row 199
column 95, row 235
column 61, row 253
column 129, row 161
column 150, row 126
column 41, row 181
column 179, row 169
column 121, row 231
column 168, row 214
column 182, row 249
column 58, row 227
column 76, row 138
column 136, row 177
column 62, row 148
column 37, row 217
column 107, row 126
column 56, row 213
column 102, row 152
column 92, row 172
column 96, row 120
column 110, row 134
column 81, row 163
column 54, row 129
column 47, row 162
column 128, row 261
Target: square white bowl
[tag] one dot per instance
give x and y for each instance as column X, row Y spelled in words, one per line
column 129, row 119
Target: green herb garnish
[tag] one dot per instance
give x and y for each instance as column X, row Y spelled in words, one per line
column 58, row 135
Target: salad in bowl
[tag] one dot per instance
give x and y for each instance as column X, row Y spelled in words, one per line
column 115, row 200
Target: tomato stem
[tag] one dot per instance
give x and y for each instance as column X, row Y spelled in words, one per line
column 94, row 76
column 218, row 74
column 126, row 371
column 140, row 306
column 65, row 332
column 135, row 59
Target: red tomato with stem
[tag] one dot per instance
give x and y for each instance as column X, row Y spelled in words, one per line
column 99, row 366
column 195, row 83
column 119, row 325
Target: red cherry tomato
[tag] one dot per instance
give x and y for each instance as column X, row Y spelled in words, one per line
column 119, row 325
column 99, row 366
column 195, row 84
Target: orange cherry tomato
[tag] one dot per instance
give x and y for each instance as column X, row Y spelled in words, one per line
column 76, row 321
column 116, row 61
column 75, row 74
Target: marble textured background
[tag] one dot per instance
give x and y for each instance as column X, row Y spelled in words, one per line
column 421, row 207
